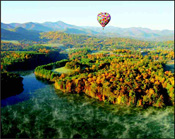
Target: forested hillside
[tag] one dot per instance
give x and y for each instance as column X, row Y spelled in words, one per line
column 19, row 34
column 110, row 31
column 124, row 77
column 77, row 41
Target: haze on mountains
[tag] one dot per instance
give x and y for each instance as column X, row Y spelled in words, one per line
column 31, row 30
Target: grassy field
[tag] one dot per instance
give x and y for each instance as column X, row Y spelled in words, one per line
column 63, row 70
column 170, row 66
column 53, row 44
column 170, row 62
column 10, row 41
column 101, row 52
column 69, row 49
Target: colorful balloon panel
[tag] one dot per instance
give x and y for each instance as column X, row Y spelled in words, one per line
column 103, row 18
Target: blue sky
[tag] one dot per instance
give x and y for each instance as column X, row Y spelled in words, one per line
column 149, row 14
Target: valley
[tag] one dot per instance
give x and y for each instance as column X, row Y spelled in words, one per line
column 76, row 85
column 33, row 29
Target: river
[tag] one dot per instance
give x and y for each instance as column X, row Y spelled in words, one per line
column 40, row 111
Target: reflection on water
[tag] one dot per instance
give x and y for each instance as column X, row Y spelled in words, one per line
column 23, row 72
column 51, row 115
column 40, row 111
column 30, row 84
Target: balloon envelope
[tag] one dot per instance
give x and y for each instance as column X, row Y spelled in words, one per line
column 103, row 18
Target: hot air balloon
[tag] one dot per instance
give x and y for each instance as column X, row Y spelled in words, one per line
column 103, row 18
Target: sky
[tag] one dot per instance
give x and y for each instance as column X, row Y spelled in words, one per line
column 157, row 15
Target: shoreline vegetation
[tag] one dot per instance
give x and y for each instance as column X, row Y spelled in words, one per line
column 71, row 82
column 129, row 79
column 115, row 70
column 14, row 81
column 29, row 59
column 45, row 71
column 26, row 60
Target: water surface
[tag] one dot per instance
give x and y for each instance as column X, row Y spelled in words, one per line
column 40, row 111
column 30, row 84
column 57, row 115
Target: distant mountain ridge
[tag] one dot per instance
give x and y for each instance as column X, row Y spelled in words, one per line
column 19, row 33
column 135, row 32
column 59, row 25
column 109, row 31
column 6, row 26
column 31, row 26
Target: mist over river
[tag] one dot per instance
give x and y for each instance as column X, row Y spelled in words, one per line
column 40, row 111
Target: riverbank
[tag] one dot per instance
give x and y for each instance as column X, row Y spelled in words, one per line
column 118, row 80
column 29, row 84
column 46, row 112
column 49, row 113
column 11, row 84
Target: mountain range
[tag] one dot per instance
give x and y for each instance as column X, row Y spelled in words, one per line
column 32, row 29
column 19, row 33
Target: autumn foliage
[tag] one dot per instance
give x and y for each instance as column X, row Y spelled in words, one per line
column 130, row 79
